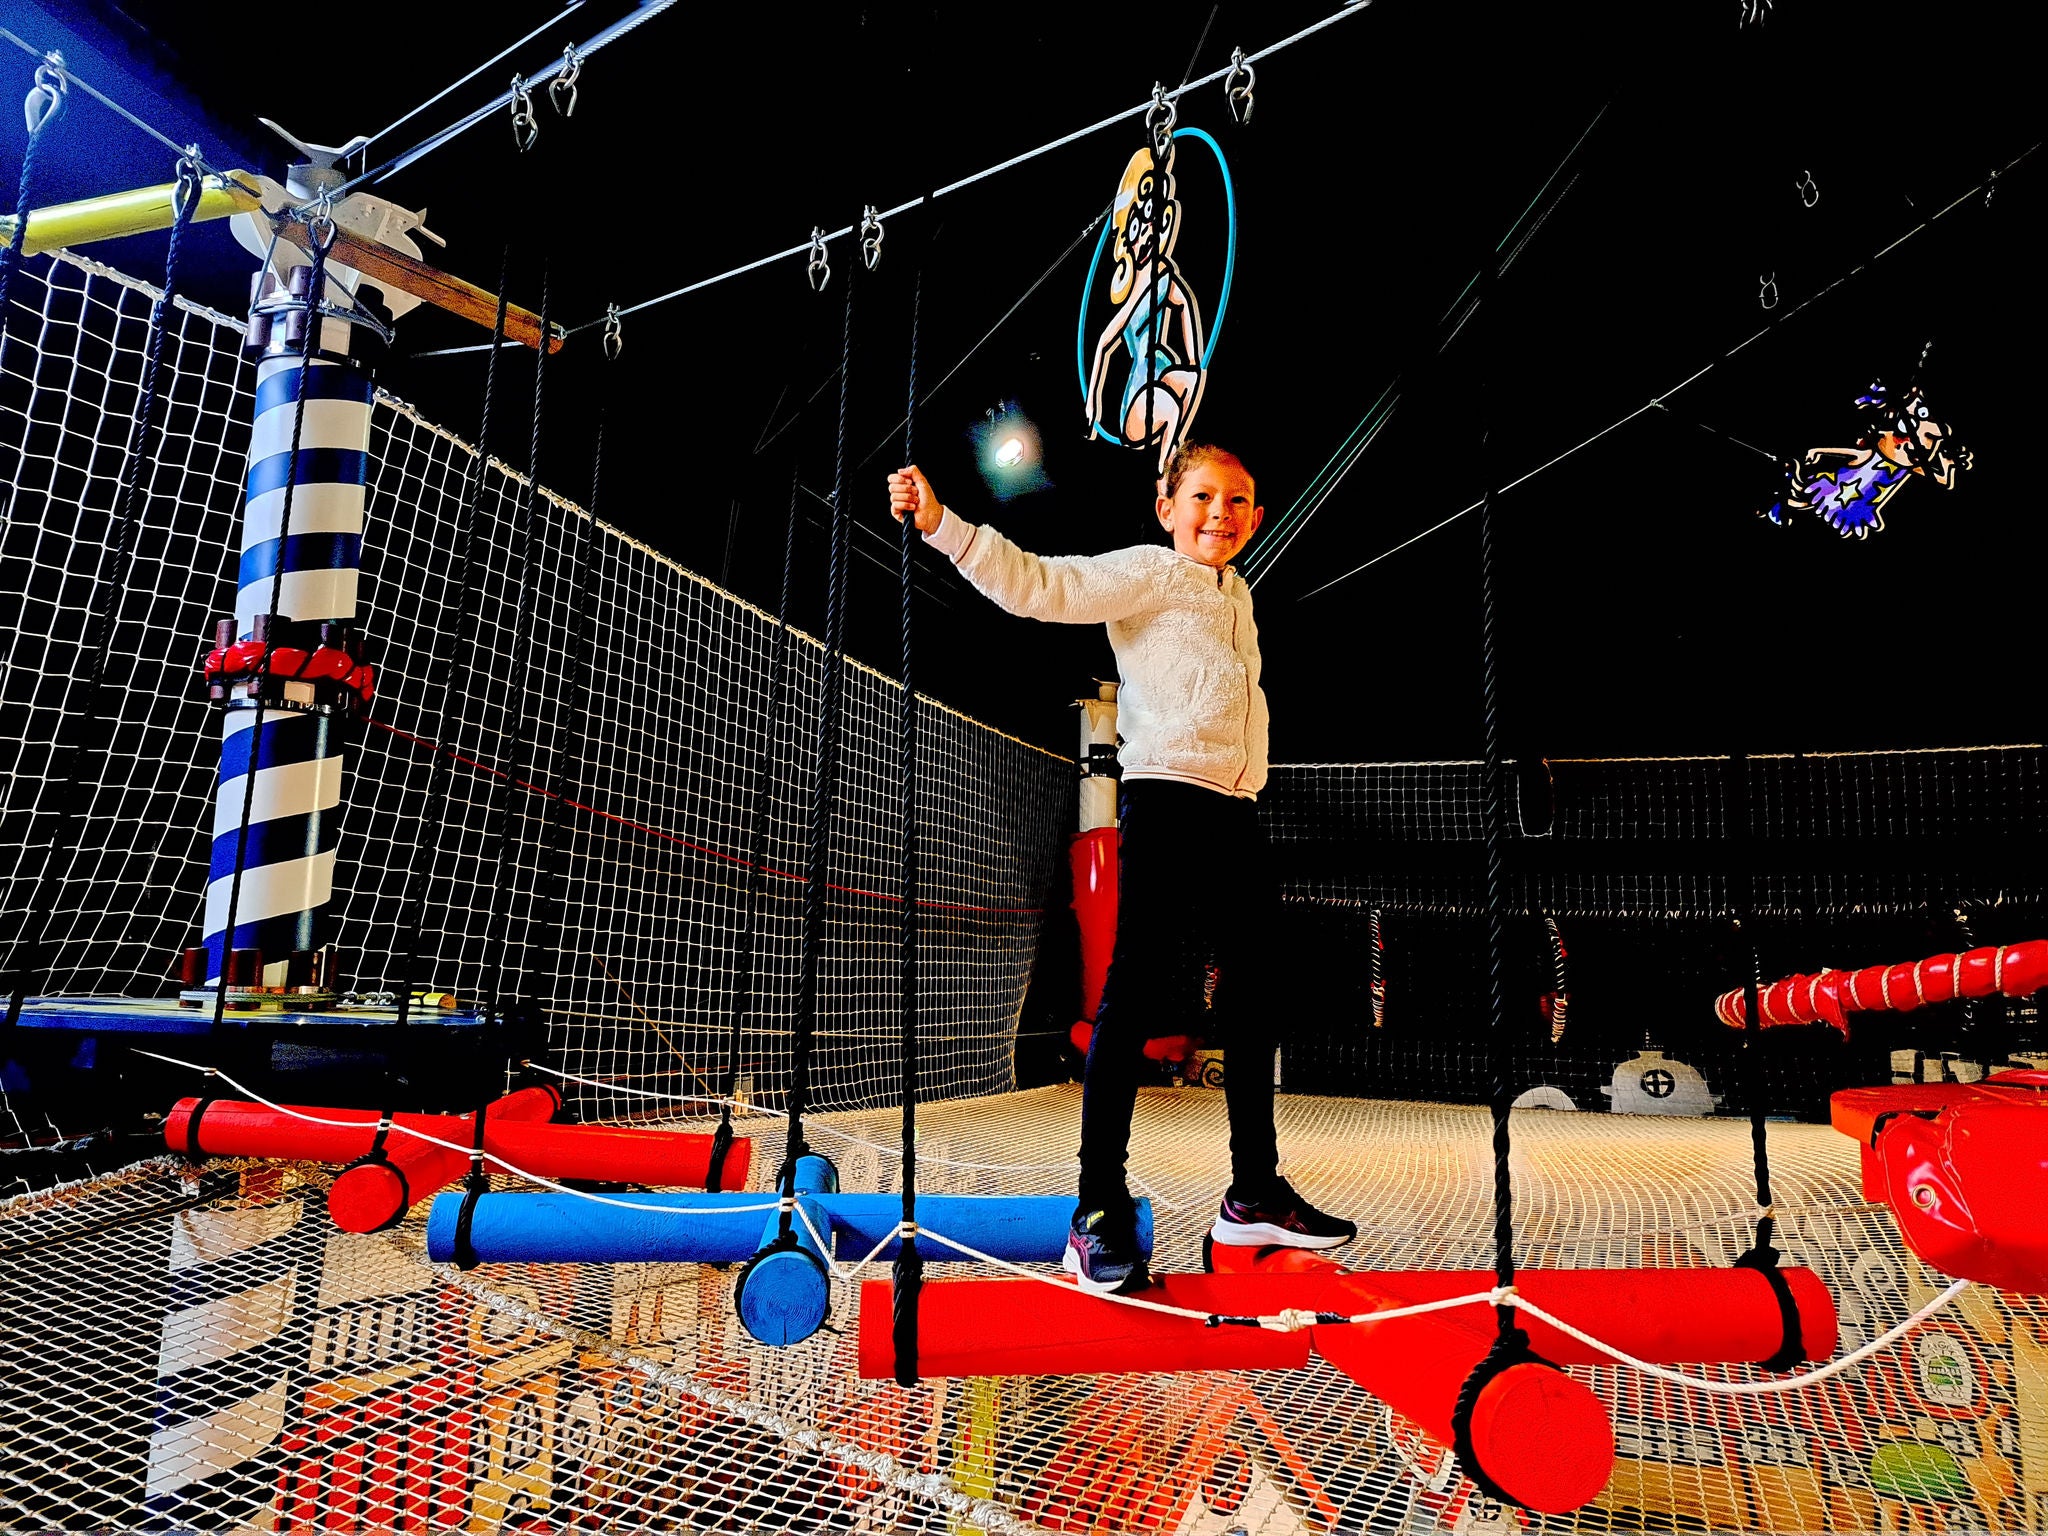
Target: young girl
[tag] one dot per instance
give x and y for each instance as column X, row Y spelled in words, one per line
column 1195, row 885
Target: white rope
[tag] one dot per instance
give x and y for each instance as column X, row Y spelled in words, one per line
column 1751, row 1388
column 886, row 1149
column 1352, row 9
column 467, row 1151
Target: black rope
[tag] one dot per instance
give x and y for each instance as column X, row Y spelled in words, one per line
column 83, row 754
column 505, row 845
column 475, row 1185
column 453, row 671
column 908, row 1275
column 1496, row 830
column 10, row 254
column 1738, row 813
column 194, row 1153
column 316, row 283
column 824, row 790
column 571, row 757
column 757, row 851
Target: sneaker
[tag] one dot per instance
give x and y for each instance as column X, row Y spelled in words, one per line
column 1102, row 1253
column 1281, row 1217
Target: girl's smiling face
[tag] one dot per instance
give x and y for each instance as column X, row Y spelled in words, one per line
column 1213, row 512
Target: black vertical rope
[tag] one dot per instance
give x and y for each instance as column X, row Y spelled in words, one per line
column 453, row 669
column 82, row 752
column 1496, row 830
column 1739, row 810
column 909, row 1270
column 316, row 283
column 757, row 850
column 1510, row 1345
column 570, row 756
column 10, row 254
column 504, row 845
column 824, row 791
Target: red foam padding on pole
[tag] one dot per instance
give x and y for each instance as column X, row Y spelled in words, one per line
column 373, row 1196
column 1029, row 1328
column 1856, row 1111
column 617, row 1154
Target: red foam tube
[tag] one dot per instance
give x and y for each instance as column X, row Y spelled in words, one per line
column 1723, row 1316
column 237, row 1128
column 1029, row 1328
column 368, row 1197
column 2016, row 970
column 612, row 1154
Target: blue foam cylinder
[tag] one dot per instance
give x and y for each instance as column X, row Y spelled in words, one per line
column 558, row 1229
column 785, row 1293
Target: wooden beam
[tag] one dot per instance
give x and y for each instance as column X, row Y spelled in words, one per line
column 408, row 274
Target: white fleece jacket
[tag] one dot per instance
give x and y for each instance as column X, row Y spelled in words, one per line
column 1189, row 705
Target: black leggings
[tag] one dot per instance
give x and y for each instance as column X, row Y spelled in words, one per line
column 1194, row 888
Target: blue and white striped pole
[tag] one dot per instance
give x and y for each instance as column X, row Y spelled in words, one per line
column 288, row 865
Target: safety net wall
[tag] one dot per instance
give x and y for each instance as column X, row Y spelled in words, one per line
column 1637, row 869
column 200, row 1349
column 653, row 811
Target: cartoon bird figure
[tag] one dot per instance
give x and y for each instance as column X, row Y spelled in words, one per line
column 1848, row 487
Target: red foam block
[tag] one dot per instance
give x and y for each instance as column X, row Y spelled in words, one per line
column 1029, row 1328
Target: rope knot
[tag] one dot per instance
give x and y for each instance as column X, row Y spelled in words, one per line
column 1289, row 1320
column 1503, row 1296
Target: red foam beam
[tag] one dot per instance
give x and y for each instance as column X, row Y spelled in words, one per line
column 1829, row 997
column 367, row 1198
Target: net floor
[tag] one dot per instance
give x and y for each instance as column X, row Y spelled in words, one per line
column 201, row 1350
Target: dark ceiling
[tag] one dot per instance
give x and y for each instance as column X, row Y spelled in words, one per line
column 1645, row 607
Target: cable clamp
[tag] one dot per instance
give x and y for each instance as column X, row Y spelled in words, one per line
column 525, row 127
column 819, row 270
column 1808, row 188
column 1767, row 290
column 1239, row 96
column 614, row 333
column 46, row 97
column 562, row 89
column 870, row 237
column 1159, row 120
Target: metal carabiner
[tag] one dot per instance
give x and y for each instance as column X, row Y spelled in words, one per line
column 45, row 98
column 1159, row 120
column 820, row 268
column 320, row 222
column 614, row 336
column 1240, row 96
column 187, row 183
column 562, row 89
column 525, row 128
column 1808, row 188
column 1767, row 290
column 870, row 236
column 1751, row 13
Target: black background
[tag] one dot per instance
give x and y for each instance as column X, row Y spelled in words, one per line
column 1646, row 609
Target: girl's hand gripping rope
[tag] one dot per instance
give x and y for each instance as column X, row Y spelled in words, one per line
column 910, row 492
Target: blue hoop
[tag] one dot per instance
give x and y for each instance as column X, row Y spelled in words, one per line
column 1222, row 301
